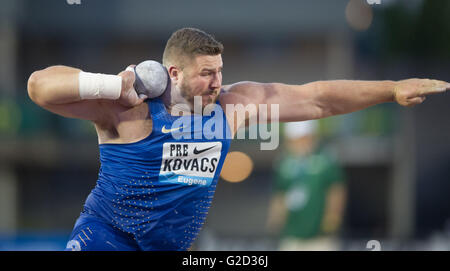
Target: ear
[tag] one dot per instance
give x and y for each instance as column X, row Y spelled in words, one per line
column 174, row 72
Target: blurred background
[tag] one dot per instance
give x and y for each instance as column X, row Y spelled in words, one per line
column 396, row 161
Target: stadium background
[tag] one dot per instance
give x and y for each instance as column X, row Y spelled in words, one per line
column 396, row 159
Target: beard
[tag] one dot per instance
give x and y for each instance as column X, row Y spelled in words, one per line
column 208, row 97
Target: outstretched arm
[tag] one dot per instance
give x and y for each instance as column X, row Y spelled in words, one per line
column 327, row 98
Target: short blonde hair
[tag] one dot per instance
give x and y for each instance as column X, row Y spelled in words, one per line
column 188, row 42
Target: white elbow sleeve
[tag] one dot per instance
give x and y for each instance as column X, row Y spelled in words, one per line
column 99, row 86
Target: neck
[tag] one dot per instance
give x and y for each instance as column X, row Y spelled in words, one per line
column 175, row 102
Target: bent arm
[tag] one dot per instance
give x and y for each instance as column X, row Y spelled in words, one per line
column 57, row 89
column 54, row 85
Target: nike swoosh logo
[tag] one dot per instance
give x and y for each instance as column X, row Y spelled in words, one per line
column 200, row 151
column 165, row 131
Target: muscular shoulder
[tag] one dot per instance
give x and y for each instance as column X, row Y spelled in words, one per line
column 244, row 92
column 241, row 93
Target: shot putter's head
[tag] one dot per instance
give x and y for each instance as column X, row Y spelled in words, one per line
column 186, row 43
column 151, row 78
column 193, row 59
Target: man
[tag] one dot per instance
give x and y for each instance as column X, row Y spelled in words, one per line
column 154, row 190
column 308, row 204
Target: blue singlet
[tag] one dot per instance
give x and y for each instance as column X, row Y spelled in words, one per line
column 154, row 194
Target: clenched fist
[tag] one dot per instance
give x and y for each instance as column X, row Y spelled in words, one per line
column 414, row 91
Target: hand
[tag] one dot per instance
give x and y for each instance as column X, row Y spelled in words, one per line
column 412, row 92
column 128, row 96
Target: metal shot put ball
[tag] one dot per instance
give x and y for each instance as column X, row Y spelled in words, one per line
column 151, row 78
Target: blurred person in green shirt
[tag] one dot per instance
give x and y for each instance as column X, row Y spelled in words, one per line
column 307, row 208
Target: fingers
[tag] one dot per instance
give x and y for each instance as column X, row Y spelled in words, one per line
column 142, row 96
column 128, row 76
column 412, row 92
column 137, row 98
column 130, row 68
column 434, row 87
column 441, row 86
column 447, row 86
column 140, row 100
column 415, row 101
